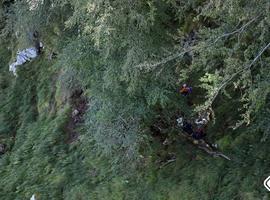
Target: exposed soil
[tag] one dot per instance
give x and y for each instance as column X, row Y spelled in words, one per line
column 79, row 105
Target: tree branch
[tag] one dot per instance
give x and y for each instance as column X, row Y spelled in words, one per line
column 179, row 54
column 240, row 30
column 238, row 72
column 167, row 162
column 163, row 61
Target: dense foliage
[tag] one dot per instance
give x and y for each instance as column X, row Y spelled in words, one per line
column 130, row 58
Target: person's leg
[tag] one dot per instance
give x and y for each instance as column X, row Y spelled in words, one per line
column 195, row 135
column 185, row 93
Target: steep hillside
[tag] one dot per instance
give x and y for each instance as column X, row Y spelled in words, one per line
column 93, row 116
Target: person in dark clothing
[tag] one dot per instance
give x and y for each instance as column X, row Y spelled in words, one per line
column 199, row 134
column 38, row 45
column 187, row 127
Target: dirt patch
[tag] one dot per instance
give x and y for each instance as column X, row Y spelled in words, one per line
column 79, row 105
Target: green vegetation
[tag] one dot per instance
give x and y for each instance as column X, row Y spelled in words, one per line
column 130, row 58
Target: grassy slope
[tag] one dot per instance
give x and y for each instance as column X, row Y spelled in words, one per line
column 39, row 160
column 32, row 120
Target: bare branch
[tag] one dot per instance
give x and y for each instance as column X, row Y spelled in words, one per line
column 167, row 162
column 240, row 30
column 214, row 153
column 179, row 54
column 163, row 61
column 238, row 72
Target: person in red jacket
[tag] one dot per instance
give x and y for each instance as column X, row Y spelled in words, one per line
column 185, row 90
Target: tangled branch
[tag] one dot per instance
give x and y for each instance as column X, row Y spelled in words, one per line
column 179, row 54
